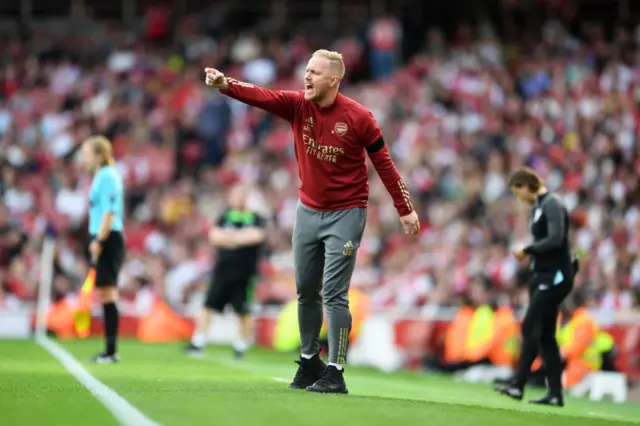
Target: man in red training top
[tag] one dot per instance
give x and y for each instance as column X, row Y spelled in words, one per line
column 331, row 135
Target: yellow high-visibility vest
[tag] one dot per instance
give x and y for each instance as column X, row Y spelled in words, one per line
column 601, row 344
column 481, row 331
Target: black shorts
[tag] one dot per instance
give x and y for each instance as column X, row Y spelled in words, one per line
column 233, row 291
column 110, row 260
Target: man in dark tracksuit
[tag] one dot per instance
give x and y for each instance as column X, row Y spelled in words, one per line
column 238, row 237
column 552, row 280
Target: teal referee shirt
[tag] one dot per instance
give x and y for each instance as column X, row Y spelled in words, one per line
column 106, row 196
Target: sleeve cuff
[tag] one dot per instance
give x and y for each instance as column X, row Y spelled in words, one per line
column 528, row 250
column 404, row 211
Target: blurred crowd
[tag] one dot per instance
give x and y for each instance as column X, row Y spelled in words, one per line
column 459, row 116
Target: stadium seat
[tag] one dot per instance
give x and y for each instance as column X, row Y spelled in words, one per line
column 601, row 384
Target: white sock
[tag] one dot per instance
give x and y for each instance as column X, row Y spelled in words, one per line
column 240, row 345
column 197, row 340
column 305, row 356
column 338, row 366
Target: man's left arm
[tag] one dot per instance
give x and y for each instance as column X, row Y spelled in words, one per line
column 250, row 237
column 220, row 237
column 253, row 235
column 381, row 159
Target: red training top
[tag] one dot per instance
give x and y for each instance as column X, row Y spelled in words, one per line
column 330, row 147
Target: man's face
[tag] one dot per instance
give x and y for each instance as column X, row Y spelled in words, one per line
column 319, row 77
column 523, row 194
column 477, row 293
column 238, row 197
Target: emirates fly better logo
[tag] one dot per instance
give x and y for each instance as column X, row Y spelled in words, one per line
column 327, row 153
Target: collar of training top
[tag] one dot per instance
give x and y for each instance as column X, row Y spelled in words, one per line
column 332, row 105
column 540, row 198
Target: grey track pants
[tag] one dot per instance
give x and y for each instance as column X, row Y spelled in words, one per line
column 324, row 250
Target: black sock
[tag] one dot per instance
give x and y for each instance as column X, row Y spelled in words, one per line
column 111, row 326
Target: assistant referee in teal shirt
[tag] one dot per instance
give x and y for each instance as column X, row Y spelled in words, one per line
column 107, row 248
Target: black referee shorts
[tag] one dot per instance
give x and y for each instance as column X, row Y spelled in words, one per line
column 225, row 291
column 110, row 260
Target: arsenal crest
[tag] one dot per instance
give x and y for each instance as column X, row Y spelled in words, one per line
column 341, row 128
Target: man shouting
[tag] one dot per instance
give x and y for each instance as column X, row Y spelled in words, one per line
column 331, row 135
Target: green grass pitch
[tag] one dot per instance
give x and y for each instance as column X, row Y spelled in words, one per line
column 175, row 390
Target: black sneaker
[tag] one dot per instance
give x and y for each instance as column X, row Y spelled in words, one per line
column 309, row 371
column 331, row 382
column 105, row 358
column 238, row 354
column 549, row 399
column 194, row 351
column 510, row 390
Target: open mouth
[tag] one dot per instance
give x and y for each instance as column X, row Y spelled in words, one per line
column 308, row 86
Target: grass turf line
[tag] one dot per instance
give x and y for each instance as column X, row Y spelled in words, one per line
column 35, row 390
column 177, row 390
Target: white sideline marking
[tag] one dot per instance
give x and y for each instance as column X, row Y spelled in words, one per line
column 122, row 410
column 280, row 379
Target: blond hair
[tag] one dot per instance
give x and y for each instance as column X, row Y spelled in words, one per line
column 334, row 57
column 101, row 146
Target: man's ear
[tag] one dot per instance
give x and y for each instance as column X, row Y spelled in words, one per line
column 335, row 80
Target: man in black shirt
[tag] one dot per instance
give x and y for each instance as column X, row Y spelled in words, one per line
column 238, row 236
column 553, row 271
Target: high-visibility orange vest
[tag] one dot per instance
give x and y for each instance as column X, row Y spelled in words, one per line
column 60, row 319
column 162, row 325
column 479, row 339
column 578, row 340
column 456, row 339
column 506, row 342
column 582, row 344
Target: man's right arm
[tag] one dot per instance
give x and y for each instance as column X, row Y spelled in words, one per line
column 279, row 102
column 221, row 238
column 250, row 237
column 234, row 238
